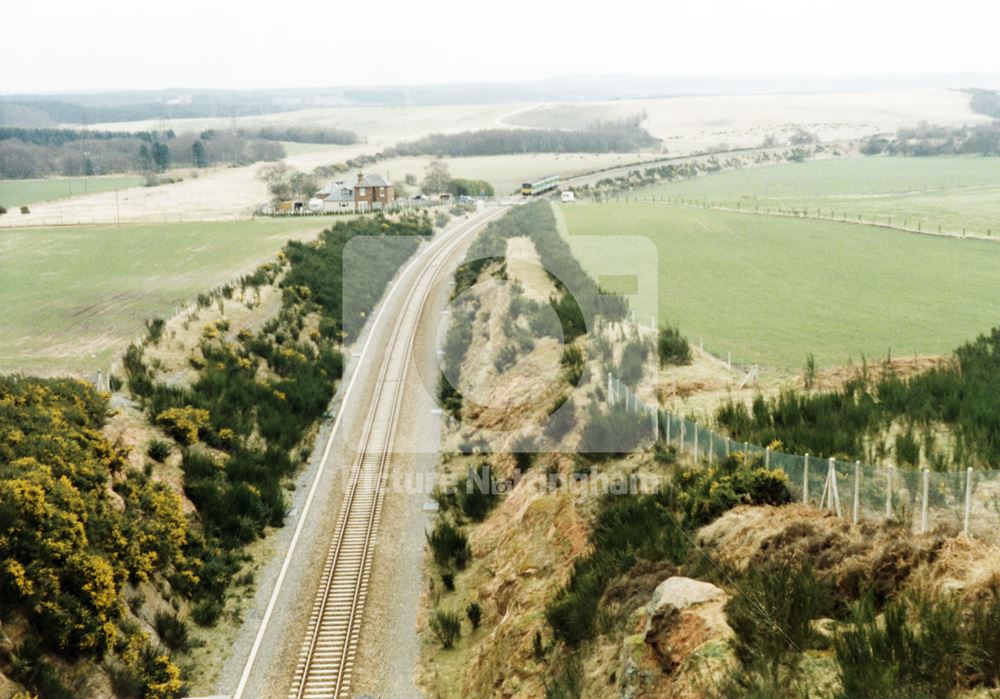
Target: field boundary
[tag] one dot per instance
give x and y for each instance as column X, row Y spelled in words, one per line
column 843, row 217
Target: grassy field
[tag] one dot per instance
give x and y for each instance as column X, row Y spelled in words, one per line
column 951, row 192
column 772, row 290
column 72, row 297
column 17, row 193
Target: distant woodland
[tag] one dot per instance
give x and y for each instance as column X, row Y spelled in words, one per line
column 602, row 137
column 985, row 102
column 926, row 139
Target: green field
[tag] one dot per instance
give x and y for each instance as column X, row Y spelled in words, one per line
column 17, row 193
column 951, row 192
column 772, row 290
column 71, row 297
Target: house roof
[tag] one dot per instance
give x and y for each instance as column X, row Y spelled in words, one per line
column 336, row 191
column 373, row 180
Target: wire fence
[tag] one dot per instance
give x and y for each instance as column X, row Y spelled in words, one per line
column 953, row 501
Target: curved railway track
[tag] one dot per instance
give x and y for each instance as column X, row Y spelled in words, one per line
column 328, row 651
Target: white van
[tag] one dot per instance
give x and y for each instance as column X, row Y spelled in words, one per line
column 568, row 196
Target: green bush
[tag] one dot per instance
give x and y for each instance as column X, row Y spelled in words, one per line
column 919, row 647
column 475, row 614
column 672, row 347
column 477, row 496
column 771, row 611
column 173, row 632
column 628, row 528
column 447, row 627
column 158, row 449
column 206, row 611
column 449, row 545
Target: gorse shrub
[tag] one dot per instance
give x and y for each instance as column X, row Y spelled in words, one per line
column 447, row 627
column 478, row 494
column 158, row 449
column 771, row 613
column 964, row 395
column 449, row 545
column 672, row 347
column 474, row 613
column 705, row 493
column 173, row 632
column 628, row 528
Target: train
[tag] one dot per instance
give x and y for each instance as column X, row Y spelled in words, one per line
column 540, row 186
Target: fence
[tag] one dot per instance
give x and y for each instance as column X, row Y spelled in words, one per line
column 966, row 501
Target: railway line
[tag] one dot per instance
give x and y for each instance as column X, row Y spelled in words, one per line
column 328, row 649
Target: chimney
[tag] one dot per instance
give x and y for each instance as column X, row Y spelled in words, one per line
column 361, row 176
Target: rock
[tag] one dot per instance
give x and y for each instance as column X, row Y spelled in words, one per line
column 683, row 634
column 683, row 614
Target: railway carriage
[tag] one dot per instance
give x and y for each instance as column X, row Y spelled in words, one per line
column 540, row 186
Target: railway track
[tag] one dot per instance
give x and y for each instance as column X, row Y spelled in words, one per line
column 329, row 649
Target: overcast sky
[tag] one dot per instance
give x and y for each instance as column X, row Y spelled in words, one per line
column 99, row 44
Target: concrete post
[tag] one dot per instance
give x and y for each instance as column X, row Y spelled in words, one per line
column 888, row 492
column 857, row 492
column 805, row 481
column 923, row 502
column 968, row 501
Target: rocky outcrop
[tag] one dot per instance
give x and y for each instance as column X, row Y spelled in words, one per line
column 680, row 640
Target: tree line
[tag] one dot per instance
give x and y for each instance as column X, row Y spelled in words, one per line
column 601, row 137
column 985, row 102
column 928, row 139
column 27, row 153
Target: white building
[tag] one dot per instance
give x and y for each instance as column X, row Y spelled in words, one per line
column 336, row 196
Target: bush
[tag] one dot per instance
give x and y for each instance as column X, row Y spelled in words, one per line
column 573, row 364
column 25, row 210
column 184, row 424
column 479, row 494
column 154, row 330
column 447, row 627
column 475, row 614
column 918, row 648
column 771, row 612
column 672, row 347
column 158, row 450
column 705, row 493
column 628, row 528
column 206, row 611
column 449, row 544
column 172, row 631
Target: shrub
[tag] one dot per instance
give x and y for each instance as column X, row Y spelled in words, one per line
column 705, row 493
column 479, row 494
column 447, row 627
column 672, row 347
column 506, row 357
column 771, row 612
column 184, row 424
column 158, row 450
column 630, row 368
column 154, row 330
column 25, row 210
column 918, row 648
column 567, row 680
column 206, row 611
column 449, row 544
column 573, row 364
column 614, row 430
column 628, row 528
column 475, row 614
column 172, row 631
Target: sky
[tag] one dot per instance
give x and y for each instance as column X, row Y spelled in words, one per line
column 60, row 46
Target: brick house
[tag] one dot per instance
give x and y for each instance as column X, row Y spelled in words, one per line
column 372, row 192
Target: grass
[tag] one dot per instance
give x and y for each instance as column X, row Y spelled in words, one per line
column 73, row 296
column 772, row 290
column 951, row 192
column 17, row 193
